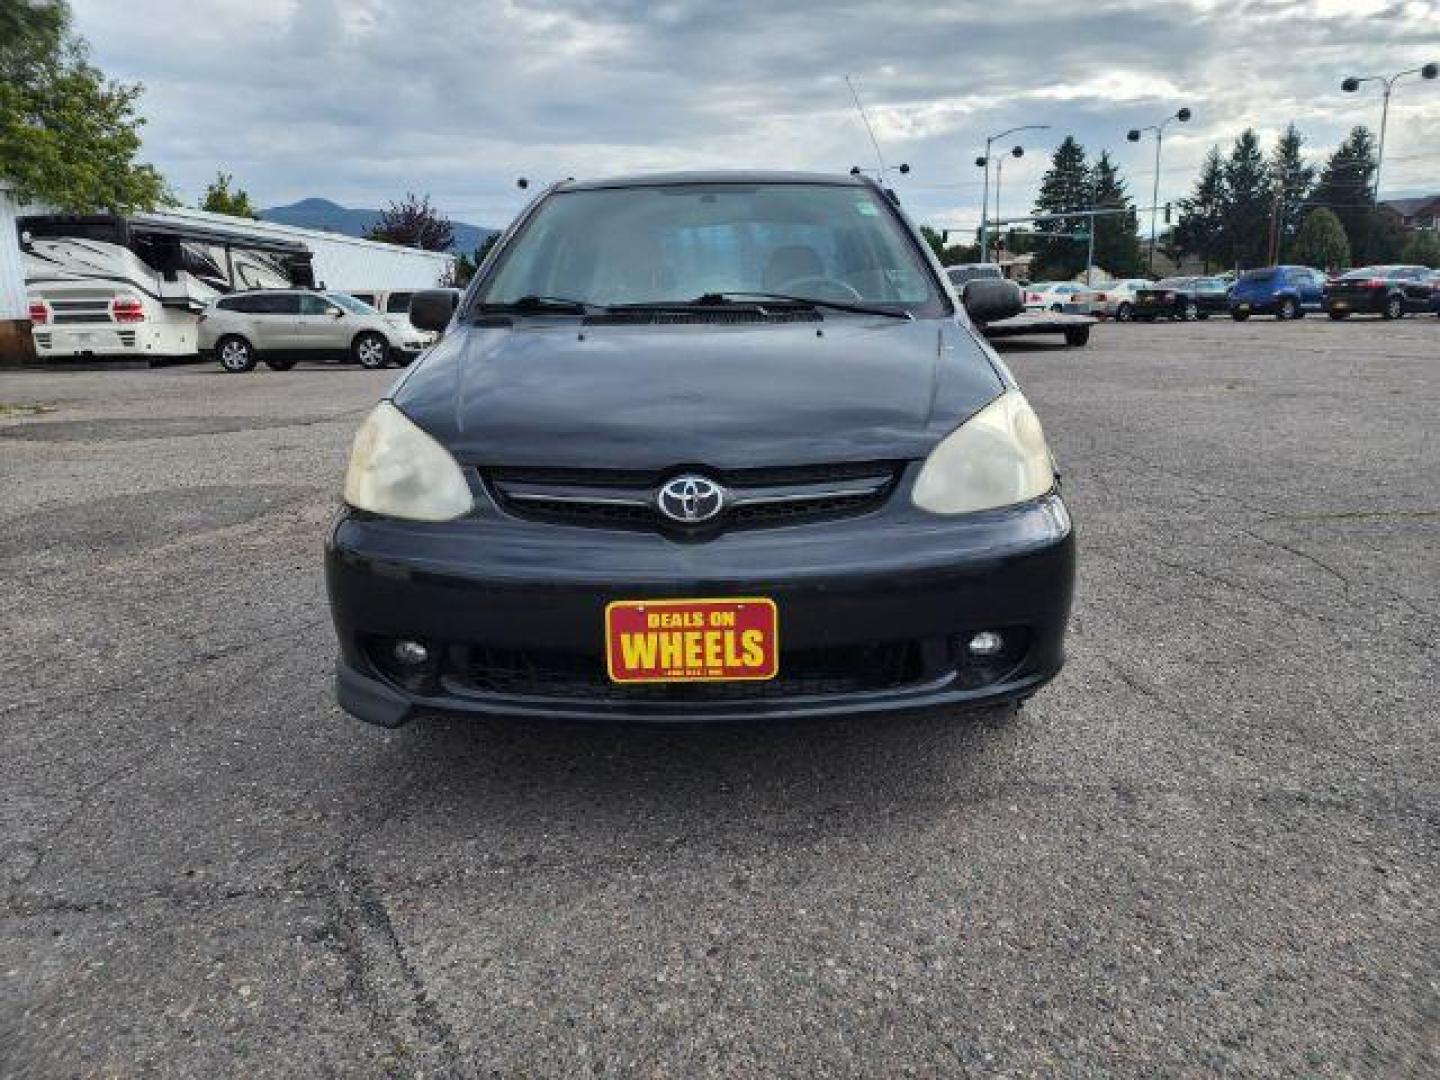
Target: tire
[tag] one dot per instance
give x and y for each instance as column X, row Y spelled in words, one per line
column 1287, row 310
column 1057, row 308
column 1394, row 308
column 1239, row 316
column 236, row 355
column 1125, row 312
column 278, row 364
column 1077, row 335
column 370, row 350
column 1191, row 311
column 1338, row 315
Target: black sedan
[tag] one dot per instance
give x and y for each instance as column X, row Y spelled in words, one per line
column 703, row 446
column 1187, row 298
column 1387, row 291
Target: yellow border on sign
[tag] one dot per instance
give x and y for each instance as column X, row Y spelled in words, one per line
column 774, row 619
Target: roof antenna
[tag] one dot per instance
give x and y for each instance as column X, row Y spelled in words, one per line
column 871, row 131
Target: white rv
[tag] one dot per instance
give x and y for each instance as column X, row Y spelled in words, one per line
column 133, row 286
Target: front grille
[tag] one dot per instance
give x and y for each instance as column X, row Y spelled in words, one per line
column 754, row 498
column 564, row 675
column 80, row 311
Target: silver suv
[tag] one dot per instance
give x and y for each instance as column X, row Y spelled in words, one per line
column 283, row 326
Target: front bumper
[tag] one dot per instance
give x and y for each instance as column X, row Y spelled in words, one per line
column 879, row 604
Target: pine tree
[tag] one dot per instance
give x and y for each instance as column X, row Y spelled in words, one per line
column 1321, row 242
column 1291, row 180
column 1117, row 243
column 1247, row 202
column 1065, row 186
column 1200, row 228
column 1344, row 187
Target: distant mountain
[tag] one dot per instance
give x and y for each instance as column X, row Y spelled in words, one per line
column 332, row 217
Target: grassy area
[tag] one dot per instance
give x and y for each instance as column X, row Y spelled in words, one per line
column 10, row 409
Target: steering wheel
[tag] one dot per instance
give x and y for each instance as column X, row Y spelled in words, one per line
column 795, row 287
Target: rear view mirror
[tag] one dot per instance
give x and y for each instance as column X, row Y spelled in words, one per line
column 991, row 299
column 432, row 308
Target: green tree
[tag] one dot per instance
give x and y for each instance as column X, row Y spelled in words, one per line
column 948, row 254
column 466, row 265
column 221, row 198
column 1290, row 180
column 1247, row 203
column 68, row 136
column 1117, row 243
column 1345, row 187
column 1200, row 228
column 1422, row 249
column 1321, row 241
column 1065, row 186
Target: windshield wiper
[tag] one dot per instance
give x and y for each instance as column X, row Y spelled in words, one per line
column 560, row 305
column 857, row 307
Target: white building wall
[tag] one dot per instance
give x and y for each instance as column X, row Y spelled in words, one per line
column 13, row 305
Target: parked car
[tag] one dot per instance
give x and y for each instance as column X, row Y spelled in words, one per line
column 1387, row 291
column 997, row 310
column 394, row 304
column 595, row 500
column 1116, row 299
column 283, row 326
column 1286, row 292
column 1187, row 298
column 960, row 273
column 1067, row 296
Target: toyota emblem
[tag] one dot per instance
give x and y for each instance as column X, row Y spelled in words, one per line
column 690, row 499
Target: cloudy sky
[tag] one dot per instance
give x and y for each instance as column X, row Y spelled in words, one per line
column 361, row 100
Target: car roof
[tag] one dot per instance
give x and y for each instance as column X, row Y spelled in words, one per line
column 715, row 176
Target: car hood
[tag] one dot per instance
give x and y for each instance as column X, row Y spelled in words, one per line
column 553, row 393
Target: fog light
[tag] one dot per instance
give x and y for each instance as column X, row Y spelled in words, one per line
column 410, row 653
column 986, row 643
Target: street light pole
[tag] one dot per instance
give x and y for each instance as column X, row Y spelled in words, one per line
column 1352, row 83
column 984, row 163
column 1182, row 115
column 1015, row 152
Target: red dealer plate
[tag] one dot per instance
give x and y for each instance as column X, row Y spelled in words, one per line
column 732, row 640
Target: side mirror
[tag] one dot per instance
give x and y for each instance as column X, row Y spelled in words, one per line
column 335, row 313
column 432, row 309
column 991, row 299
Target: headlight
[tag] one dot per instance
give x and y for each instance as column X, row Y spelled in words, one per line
column 399, row 471
column 996, row 458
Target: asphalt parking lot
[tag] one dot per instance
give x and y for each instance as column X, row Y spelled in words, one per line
column 1213, row 845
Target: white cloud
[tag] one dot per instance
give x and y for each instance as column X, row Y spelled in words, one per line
column 360, row 100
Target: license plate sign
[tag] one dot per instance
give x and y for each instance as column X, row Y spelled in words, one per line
column 721, row 640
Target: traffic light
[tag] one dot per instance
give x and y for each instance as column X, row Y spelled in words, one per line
column 1167, row 213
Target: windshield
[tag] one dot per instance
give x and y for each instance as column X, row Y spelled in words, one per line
column 678, row 242
column 1174, row 282
column 349, row 303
